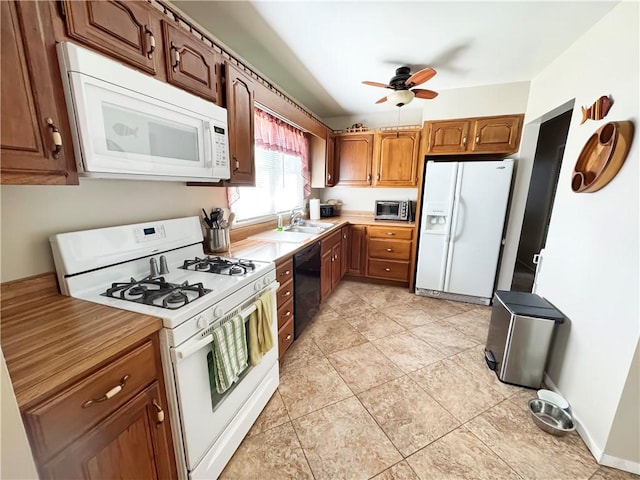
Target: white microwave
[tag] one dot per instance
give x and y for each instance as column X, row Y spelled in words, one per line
column 128, row 125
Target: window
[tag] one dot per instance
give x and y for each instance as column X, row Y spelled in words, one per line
column 282, row 179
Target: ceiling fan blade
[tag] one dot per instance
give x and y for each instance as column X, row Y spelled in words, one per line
column 382, row 100
column 420, row 77
column 422, row 93
column 377, row 84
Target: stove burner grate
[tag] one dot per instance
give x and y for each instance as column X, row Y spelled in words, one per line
column 219, row 265
column 157, row 292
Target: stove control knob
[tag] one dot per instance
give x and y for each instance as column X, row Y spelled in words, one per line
column 257, row 286
column 217, row 312
column 266, row 281
column 202, row 322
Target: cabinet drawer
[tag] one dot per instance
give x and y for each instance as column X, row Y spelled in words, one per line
column 285, row 313
column 388, row 269
column 284, row 293
column 284, row 271
column 389, row 249
column 63, row 418
column 396, row 233
column 285, row 337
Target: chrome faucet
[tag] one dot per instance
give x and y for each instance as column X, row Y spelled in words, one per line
column 296, row 217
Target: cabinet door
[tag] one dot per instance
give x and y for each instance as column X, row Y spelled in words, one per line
column 336, row 267
column 241, row 121
column 118, row 29
column 354, row 155
column 326, row 274
column 497, row 134
column 191, row 64
column 330, row 162
column 134, row 442
column 35, row 133
column 396, row 159
column 448, row 136
column 357, row 255
column 344, row 247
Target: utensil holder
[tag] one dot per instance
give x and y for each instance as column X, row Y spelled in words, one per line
column 216, row 240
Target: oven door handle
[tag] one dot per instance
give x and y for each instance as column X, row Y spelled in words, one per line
column 180, row 353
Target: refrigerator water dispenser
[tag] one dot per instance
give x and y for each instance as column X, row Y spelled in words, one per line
column 436, row 217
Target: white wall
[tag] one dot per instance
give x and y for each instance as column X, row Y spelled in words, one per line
column 590, row 268
column 16, row 460
column 31, row 213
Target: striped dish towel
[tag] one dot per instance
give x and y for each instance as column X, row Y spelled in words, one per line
column 229, row 353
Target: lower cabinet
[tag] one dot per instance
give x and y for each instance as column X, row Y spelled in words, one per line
column 284, row 275
column 356, row 261
column 330, row 264
column 389, row 252
column 113, row 423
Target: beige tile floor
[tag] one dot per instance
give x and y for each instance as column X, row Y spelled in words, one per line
column 391, row 386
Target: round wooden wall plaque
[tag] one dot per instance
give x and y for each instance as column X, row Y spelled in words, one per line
column 602, row 156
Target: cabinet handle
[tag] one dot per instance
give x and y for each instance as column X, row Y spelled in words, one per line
column 159, row 411
column 287, row 293
column 378, row 176
column 288, row 337
column 56, row 137
column 176, row 57
column 288, row 314
column 287, row 272
column 478, row 139
column 387, row 269
column 369, row 178
column 329, row 176
column 110, row 394
column 464, row 141
column 237, row 164
column 390, row 233
column 151, row 42
column 389, row 249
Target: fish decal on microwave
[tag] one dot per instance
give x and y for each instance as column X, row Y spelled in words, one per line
column 124, row 131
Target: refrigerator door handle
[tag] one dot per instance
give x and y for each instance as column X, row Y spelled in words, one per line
column 455, row 215
column 460, row 219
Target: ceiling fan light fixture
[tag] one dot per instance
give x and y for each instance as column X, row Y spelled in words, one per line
column 400, row 97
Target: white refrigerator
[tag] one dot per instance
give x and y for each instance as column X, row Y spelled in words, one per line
column 461, row 228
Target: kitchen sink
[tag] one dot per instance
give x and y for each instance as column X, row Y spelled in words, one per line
column 304, row 229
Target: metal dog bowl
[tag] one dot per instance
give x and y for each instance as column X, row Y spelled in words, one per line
column 550, row 417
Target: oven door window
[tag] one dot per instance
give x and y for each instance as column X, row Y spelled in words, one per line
column 217, row 399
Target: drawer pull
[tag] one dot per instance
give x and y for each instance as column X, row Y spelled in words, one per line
column 387, row 269
column 110, row 394
column 389, row 249
column 288, row 337
column 390, row 233
column 159, row 411
column 287, row 272
column 288, row 314
column 287, row 293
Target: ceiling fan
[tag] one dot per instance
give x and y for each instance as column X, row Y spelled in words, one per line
column 402, row 84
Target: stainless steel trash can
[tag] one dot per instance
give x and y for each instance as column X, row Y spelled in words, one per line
column 520, row 333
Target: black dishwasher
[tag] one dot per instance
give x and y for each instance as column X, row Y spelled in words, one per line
column 306, row 287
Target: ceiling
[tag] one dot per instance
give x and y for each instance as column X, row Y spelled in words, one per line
column 318, row 52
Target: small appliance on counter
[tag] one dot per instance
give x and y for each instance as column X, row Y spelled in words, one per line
column 330, row 209
column 399, row 210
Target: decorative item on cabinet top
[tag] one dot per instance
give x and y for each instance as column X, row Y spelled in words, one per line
column 602, row 157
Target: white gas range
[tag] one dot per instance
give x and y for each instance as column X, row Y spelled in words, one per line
column 160, row 269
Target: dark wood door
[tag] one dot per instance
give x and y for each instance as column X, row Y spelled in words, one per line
column 357, row 255
column 191, row 64
column 326, row 274
column 450, row 136
column 354, row 154
column 240, row 94
column 35, row 133
column 344, row 246
column 134, row 442
column 336, row 267
column 331, row 174
column 497, row 134
column 397, row 159
column 119, row 29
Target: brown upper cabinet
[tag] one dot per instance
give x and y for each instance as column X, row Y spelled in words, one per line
column 119, row 29
column 35, row 133
column 240, row 95
column 191, row 64
column 353, row 154
column 499, row 134
column 396, row 158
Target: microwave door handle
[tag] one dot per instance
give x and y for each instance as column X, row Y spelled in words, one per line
column 208, row 146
